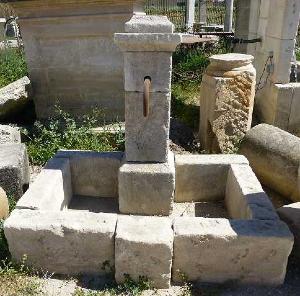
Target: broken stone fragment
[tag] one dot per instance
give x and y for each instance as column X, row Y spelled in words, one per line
column 9, row 134
column 14, row 98
column 4, row 207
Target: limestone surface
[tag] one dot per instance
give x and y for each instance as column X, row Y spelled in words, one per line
column 14, row 169
column 147, row 188
column 52, row 188
column 9, row 134
column 290, row 214
column 226, row 103
column 144, row 247
column 220, row 250
column 203, row 177
column 147, row 138
column 14, row 97
column 274, row 155
column 64, row 242
column 94, row 173
column 4, row 207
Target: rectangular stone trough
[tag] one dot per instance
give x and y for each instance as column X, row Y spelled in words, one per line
column 222, row 227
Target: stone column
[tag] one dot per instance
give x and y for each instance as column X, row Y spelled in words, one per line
column 202, row 12
column 228, row 16
column 190, row 14
column 226, row 103
column 147, row 178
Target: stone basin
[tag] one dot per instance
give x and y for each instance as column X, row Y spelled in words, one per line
column 222, row 225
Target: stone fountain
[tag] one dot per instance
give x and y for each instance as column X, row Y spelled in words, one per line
column 147, row 212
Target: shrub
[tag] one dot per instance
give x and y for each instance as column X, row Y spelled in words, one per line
column 64, row 131
column 12, row 66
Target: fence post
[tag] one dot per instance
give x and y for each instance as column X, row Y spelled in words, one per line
column 202, row 12
column 228, row 16
column 190, row 14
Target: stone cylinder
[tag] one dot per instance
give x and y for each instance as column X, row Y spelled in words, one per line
column 226, row 101
column 274, row 155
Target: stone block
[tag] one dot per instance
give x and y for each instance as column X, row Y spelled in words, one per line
column 290, row 214
column 9, row 134
column 4, row 207
column 245, row 198
column 144, row 247
column 147, row 188
column 52, row 188
column 147, row 138
column 294, row 119
column 149, row 24
column 14, row 97
column 203, row 177
column 157, row 65
column 274, row 155
column 14, row 169
column 227, row 99
column 94, row 173
column 62, row 242
column 220, row 250
column 283, row 19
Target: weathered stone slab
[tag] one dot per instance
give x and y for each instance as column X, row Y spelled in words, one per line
column 274, row 155
column 14, row 97
column 4, row 207
column 63, row 242
column 290, row 214
column 94, row 173
column 14, row 169
column 227, row 98
column 147, row 138
column 144, row 247
column 51, row 190
column 203, row 177
column 220, row 250
column 147, row 188
column 245, row 198
column 9, row 134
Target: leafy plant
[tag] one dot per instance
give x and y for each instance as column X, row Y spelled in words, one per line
column 12, row 66
column 64, row 131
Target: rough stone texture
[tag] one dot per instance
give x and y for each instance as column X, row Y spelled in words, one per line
column 245, row 198
column 9, row 134
column 51, row 190
column 4, row 207
column 226, row 103
column 94, row 173
column 14, row 97
column 88, row 72
column 203, row 177
column 149, row 24
column 147, row 188
column 14, row 169
column 290, row 214
column 220, row 250
column 147, row 138
column 274, row 155
column 144, row 247
column 62, row 242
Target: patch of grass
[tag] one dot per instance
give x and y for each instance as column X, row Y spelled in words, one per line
column 128, row 288
column 64, row 131
column 12, row 66
column 298, row 54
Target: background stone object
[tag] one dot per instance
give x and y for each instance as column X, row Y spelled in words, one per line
column 4, row 206
column 147, row 46
column 9, row 134
column 274, row 155
column 290, row 214
column 144, row 247
column 14, row 169
column 88, row 72
column 226, row 102
column 14, row 98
